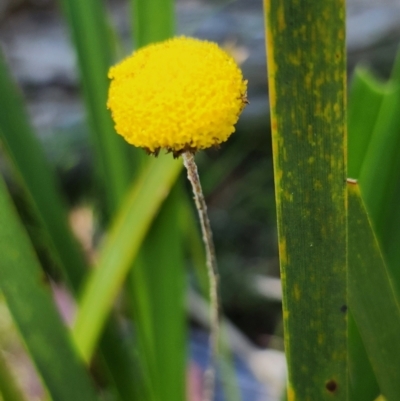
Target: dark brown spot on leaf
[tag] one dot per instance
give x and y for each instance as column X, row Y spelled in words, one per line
column 331, row 386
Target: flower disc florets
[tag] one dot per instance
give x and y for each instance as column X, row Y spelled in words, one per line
column 181, row 94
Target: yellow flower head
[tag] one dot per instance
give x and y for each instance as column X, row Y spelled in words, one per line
column 181, row 94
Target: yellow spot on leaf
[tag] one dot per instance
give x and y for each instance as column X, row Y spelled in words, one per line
column 317, row 185
column 321, row 339
column 297, row 292
column 281, row 17
column 283, row 252
column 291, row 396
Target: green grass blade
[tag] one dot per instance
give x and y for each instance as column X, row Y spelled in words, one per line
column 194, row 244
column 158, row 301
column 372, row 300
column 92, row 40
column 153, row 20
column 227, row 163
column 30, row 302
column 157, row 279
column 119, row 359
column 366, row 95
column 9, row 390
column 30, row 163
column 395, row 74
column 374, row 139
column 362, row 382
column 365, row 100
column 120, row 249
column 379, row 174
column 307, row 75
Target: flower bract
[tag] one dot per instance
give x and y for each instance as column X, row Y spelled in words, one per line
column 181, row 94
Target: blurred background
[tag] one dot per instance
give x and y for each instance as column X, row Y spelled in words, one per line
column 237, row 179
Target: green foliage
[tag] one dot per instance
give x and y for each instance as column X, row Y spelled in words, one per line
column 380, row 173
column 306, row 68
column 93, row 43
column 29, row 299
column 373, row 145
column 37, row 179
column 8, row 387
column 123, row 242
column 152, row 21
column 91, row 35
column 149, row 223
column 376, row 313
column 158, row 287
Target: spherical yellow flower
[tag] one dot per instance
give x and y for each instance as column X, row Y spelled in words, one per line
column 181, row 94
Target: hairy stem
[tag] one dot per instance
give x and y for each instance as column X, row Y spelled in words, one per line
column 193, row 176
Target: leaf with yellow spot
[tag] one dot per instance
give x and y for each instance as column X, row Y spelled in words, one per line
column 307, row 75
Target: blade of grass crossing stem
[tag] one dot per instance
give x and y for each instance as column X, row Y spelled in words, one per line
column 30, row 162
column 92, row 40
column 307, row 75
column 125, row 238
column 152, row 20
column 158, row 302
column 366, row 95
column 371, row 298
column 30, row 302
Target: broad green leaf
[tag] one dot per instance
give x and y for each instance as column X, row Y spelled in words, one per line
column 371, row 298
column 120, row 249
column 93, row 43
column 307, row 87
column 158, row 301
column 29, row 299
column 36, row 176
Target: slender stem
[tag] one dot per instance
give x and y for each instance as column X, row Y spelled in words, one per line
column 193, row 176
